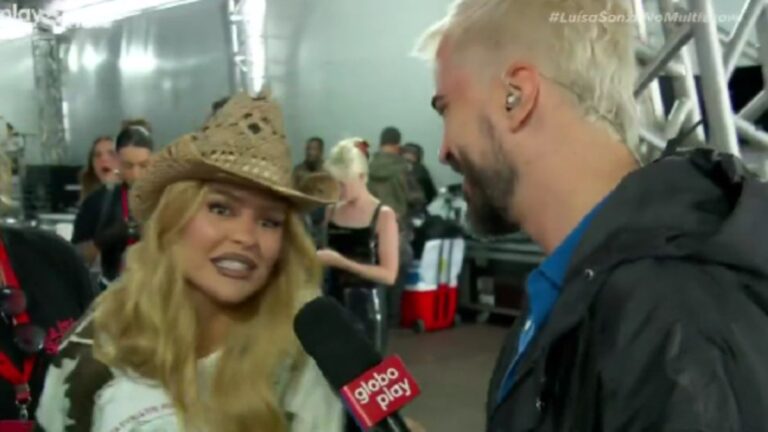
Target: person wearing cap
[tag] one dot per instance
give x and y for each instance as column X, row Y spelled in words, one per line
column 197, row 332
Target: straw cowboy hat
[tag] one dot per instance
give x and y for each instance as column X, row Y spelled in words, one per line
column 243, row 144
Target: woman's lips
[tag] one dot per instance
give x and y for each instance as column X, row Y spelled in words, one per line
column 234, row 266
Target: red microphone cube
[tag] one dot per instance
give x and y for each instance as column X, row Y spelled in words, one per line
column 380, row 392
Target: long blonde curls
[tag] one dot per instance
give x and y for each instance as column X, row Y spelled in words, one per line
column 145, row 323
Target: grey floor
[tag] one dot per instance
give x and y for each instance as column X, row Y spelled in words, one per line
column 452, row 367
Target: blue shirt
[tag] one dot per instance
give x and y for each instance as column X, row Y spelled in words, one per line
column 543, row 286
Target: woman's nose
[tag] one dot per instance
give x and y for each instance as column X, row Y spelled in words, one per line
column 245, row 231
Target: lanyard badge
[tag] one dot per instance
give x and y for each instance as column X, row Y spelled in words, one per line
column 133, row 226
column 28, row 337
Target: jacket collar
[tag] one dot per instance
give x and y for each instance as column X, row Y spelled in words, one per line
column 650, row 207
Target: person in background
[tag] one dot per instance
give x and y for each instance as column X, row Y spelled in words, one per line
column 391, row 181
column 306, row 171
column 650, row 311
column 44, row 290
column 361, row 249
column 137, row 123
column 102, row 167
column 313, row 160
column 103, row 226
column 390, row 178
column 414, row 154
column 197, row 335
column 317, row 184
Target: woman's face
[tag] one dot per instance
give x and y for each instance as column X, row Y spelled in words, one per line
column 231, row 245
column 411, row 157
column 134, row 161
column 351, row 188
column 104, row 161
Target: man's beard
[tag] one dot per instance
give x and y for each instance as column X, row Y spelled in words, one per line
column 491, row 189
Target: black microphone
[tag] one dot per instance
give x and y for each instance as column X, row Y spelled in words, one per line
column 373, row 389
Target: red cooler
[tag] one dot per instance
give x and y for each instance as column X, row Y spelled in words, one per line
column 431, row 294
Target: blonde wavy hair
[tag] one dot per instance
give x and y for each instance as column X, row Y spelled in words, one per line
column 145, row 323
column 593, row 59
column 346, row 160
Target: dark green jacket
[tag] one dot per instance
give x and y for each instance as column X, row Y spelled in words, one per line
column 391, row 181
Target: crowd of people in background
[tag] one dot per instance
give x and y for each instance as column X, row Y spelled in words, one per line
column 204, row 305
column 360, row 235
column 648, row 313
column 397, row 181
column 104, row 226
column 394, row 175
column 148, row 225
column 46, row 285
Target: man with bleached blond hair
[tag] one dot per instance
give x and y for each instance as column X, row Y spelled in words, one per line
column 651, row 309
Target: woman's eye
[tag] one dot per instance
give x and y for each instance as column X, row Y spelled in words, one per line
column 219, row 209
column 272, row 223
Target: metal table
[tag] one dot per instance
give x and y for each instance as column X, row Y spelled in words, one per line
column 516, row 249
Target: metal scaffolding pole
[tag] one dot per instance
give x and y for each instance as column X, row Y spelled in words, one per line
column 722, row 130
column 48, row 86
column 646, row 54
column 238, row 44
column 759, row 105
column 751, row 132
column 653, row 138
column 684, row 87
column 756, row 107
column 762, row 37
column 738, row 39
column 749, row 54
column 653, row 104
column 675, row 43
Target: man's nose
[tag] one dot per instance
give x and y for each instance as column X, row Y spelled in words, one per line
column 444, row 154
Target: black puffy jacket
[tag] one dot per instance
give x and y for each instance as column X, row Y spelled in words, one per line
column 662, row 324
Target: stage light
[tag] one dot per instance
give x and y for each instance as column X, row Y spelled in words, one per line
column 91, row 58
column 14, row 28
column 73, row 59
column 138, row 62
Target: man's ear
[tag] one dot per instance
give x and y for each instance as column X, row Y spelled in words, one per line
column 521, row 93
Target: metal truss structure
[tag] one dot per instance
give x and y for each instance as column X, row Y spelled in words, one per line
column 48, row 86
column 717, row 53
column 245, row 28
column 239, row 44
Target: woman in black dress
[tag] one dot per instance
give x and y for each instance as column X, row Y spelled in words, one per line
column 362, row 243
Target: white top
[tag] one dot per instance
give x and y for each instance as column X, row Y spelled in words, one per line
column 129, row 403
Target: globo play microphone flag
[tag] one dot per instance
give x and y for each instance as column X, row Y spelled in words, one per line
column 379, row 392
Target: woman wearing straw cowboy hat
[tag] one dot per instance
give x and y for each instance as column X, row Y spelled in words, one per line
column 197, row 332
